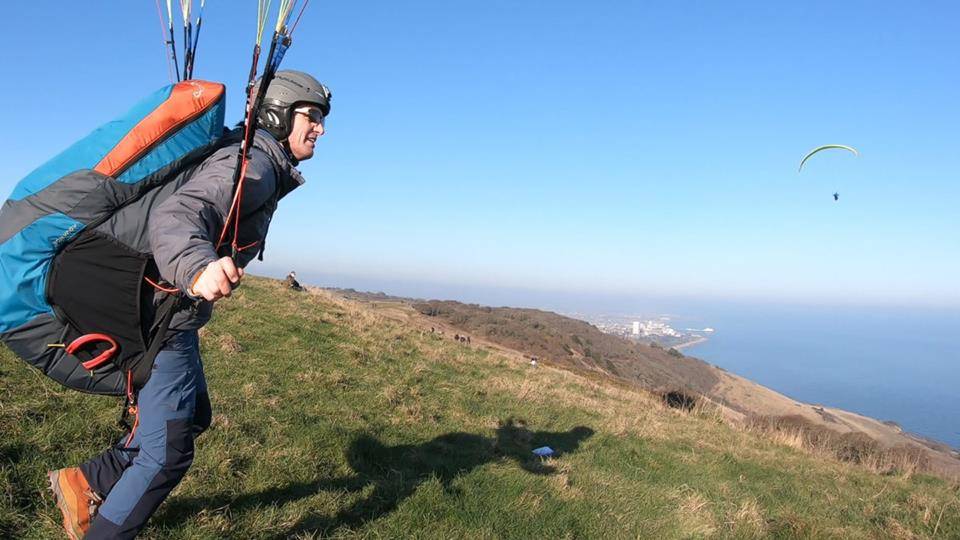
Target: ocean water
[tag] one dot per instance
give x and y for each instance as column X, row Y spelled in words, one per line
column 890, row 364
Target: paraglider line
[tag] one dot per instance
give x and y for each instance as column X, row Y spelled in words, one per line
column 297, row 21
column 278, row 46
column 172, row 41
column 196, row 40
column 163, row 39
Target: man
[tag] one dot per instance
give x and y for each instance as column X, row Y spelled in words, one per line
column 114, row 494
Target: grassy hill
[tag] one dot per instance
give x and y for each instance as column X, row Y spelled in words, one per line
column 582, row 348
column 567, row 342
column 332, row 419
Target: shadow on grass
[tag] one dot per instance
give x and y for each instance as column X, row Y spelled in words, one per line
column 395, row 473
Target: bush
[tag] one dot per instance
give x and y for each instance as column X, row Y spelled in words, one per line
column 855, row 447
column 679, row 399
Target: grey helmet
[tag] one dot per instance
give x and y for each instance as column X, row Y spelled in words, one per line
column 288, row 89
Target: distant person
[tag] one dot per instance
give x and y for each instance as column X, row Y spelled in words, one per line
column 836, row 196
column 292, row 282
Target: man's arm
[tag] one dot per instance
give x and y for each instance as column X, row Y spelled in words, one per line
column 184, row 228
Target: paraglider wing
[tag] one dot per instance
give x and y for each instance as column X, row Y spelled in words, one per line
column 827, row 147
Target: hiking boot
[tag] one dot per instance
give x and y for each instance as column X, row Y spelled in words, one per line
column 76, row 501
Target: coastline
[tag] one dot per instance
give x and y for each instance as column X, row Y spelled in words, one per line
column 691, row 343
column 884, row 431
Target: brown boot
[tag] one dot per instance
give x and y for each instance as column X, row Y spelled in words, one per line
column 77, row 502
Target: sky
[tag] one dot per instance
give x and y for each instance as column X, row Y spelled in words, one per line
column 633, row 148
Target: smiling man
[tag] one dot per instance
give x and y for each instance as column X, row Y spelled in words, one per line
column 114, row 494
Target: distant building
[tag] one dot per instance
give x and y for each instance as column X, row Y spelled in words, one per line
column 656, row 328
column 636, row 328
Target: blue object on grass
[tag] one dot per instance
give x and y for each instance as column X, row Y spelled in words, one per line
column 544, row 451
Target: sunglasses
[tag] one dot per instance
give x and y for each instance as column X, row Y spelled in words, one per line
column 314, row 114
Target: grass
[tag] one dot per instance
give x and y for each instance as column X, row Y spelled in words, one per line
column 333, row 420
column 854, row 447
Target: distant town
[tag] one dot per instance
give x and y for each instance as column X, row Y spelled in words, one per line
column 651, row 330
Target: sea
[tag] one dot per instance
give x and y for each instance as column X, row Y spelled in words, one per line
column 899, row 364
column 891, row 364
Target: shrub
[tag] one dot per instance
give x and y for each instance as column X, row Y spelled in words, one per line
column 855, row 447
column 679, row 399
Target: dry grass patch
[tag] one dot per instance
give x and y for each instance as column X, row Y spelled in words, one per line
column 229, row 344
column 747, row 520
column 693, row 512
column 905, row 460
column 549, row 387
column 562, row 483
column 640, row 422
column 895, row 530
column 852, row 447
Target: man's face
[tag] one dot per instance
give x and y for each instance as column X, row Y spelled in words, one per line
column 307, row 128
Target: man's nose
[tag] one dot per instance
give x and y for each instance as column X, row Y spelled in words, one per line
column 320, row 130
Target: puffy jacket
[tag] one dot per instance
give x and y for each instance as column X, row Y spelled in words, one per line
column 184, row 218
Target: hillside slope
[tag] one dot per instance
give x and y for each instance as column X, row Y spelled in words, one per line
column 334, row 418
column 568, row 342
column 575, row 344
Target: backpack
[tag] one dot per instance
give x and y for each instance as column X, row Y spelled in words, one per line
column 77, row 302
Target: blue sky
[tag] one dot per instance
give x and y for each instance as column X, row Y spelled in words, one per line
column 623, row 148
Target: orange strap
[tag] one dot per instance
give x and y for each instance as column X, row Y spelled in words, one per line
column 159, row 287
column 132, row 408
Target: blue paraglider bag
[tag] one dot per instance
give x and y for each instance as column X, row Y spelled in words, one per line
column 65, row 274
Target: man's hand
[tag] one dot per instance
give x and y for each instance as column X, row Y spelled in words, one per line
column 217, row 280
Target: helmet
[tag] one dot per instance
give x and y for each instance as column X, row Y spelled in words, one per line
column 288, row 89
